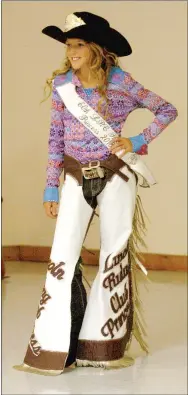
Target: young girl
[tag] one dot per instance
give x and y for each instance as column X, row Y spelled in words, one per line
column 91, row 99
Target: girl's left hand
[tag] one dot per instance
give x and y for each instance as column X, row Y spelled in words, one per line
column 121, row 143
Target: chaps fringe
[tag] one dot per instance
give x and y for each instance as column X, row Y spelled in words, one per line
column 136, row 239
column 117, row 364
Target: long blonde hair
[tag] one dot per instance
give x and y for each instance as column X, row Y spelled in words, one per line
column 101, row 62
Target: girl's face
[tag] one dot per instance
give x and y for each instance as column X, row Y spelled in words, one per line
column 78, row 52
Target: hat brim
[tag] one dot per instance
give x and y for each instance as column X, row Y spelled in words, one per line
column 112, row 40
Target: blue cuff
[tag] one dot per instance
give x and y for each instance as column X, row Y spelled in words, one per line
column 51, row 194
column 137, row 142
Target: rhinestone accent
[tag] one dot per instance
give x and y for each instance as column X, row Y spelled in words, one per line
column 72, row 21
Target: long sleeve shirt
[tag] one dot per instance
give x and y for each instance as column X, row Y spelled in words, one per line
column 69, row 136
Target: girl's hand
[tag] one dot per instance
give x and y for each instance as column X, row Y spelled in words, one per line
column 51, row 209
column 121, row 143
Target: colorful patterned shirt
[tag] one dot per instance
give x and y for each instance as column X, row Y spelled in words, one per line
column 69, row 136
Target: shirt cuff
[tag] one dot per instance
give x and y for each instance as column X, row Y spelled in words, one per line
column 137, row 142
column 51, row 194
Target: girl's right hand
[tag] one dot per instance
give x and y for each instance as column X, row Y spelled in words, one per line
column 51, row 209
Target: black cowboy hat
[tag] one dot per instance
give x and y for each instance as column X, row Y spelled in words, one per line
column 90, row 28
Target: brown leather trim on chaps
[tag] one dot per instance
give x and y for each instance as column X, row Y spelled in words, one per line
column 48, row 360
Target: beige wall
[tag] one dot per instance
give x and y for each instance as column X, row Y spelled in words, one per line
column 157, row 32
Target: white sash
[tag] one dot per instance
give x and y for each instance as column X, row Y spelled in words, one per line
column 102, row 130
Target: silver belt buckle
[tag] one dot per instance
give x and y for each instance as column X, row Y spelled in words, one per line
column 93, row 170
